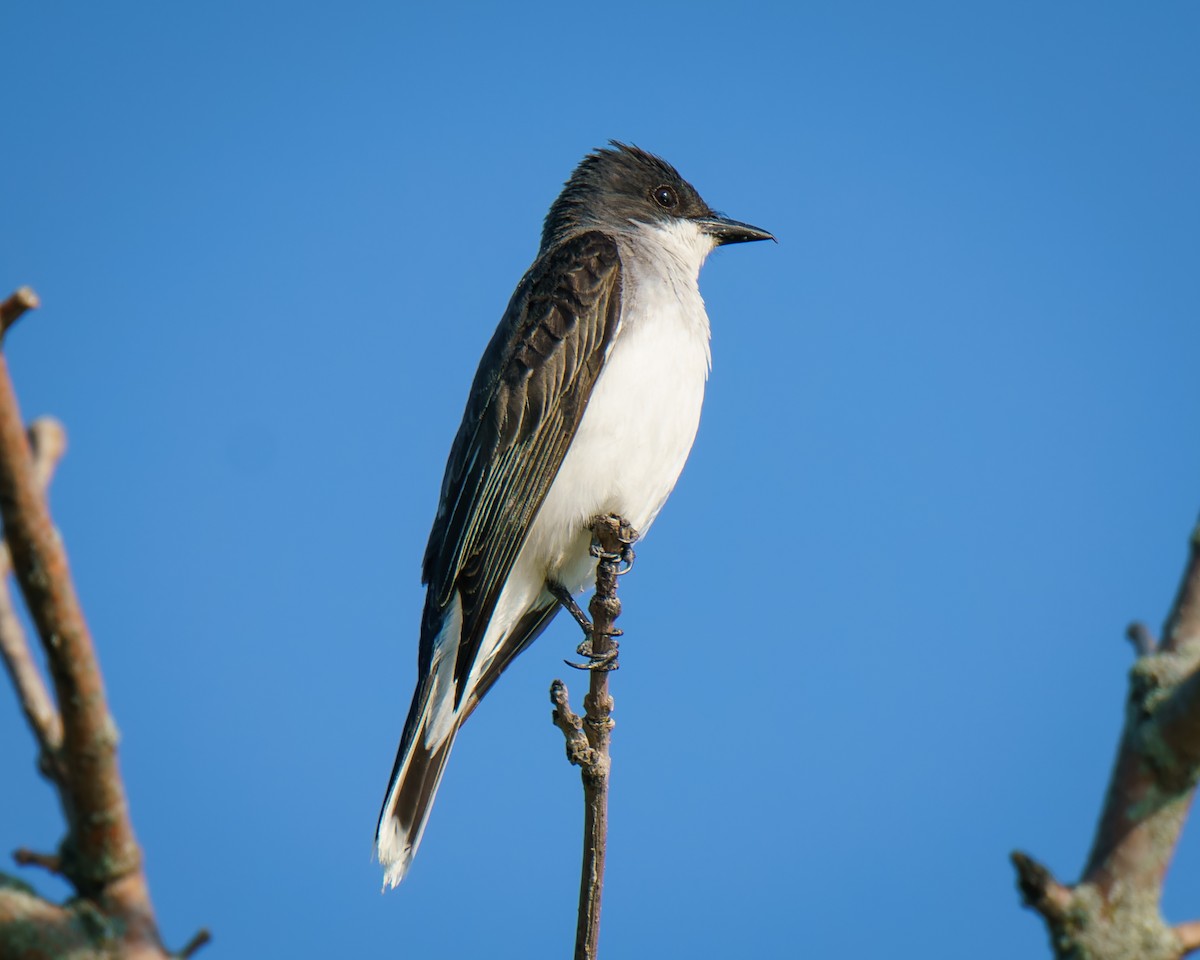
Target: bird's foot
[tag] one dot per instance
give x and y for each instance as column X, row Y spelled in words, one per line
column 612, row 544
column 597, row 661
column 621, row 535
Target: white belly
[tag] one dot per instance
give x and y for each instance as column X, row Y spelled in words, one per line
column 631, row 445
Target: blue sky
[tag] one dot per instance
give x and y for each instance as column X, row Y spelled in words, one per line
column 874, row 642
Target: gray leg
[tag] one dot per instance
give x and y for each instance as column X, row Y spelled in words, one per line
column 563, row 596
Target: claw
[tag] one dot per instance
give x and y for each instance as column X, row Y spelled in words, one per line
column 585, row 648
column 627, row 558
column 596, row 661
column 626, row 535
column 623, row 559
column 603, row 661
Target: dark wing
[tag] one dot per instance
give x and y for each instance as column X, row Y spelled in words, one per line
column 528, row 397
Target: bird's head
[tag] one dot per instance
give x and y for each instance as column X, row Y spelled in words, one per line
column 622, row 188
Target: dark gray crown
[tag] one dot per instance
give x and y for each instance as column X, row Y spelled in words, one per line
column 614, row 185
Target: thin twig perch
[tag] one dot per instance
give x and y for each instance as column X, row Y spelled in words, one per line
column 588, row 738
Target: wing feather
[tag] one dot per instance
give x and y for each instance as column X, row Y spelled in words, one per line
column 528, row 397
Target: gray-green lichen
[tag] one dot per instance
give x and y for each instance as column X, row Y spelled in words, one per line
column 1128, row 925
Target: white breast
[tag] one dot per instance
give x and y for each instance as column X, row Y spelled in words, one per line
column 638, row 427
column 643, row 414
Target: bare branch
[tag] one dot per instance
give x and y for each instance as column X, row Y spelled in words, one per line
column 1177, row 731
column 1158, row 757
column 101, row 839
column 1114, row 911
column 1181, row 633
column 579, row 751
column 1142, row 639
column 48, row 441
column 200, row 939
column 30, row 858
column 1039, row 889
column 12, row 309
column 35, row 928
column 588, row 739
column 1189, row 936
column 100, row 855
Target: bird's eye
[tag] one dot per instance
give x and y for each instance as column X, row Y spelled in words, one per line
column 665, row 197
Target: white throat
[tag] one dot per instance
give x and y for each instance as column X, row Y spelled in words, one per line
column 679, row 245
column 662, row 271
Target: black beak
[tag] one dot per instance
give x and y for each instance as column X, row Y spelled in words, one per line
column 724, row 230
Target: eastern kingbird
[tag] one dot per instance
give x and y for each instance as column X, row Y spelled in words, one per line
column 585, row 404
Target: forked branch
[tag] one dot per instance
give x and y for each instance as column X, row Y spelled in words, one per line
column 48, row 442
column 111, row 915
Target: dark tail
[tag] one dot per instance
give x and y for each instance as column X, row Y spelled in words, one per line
column 429, row 732
column 424, row 749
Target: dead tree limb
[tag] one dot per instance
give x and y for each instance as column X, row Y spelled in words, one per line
column 1113, row 912
column 12, row 309
column 588, row 738
column 111, row 915
column 48, row 442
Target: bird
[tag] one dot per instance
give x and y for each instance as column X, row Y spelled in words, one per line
column 586, row 403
